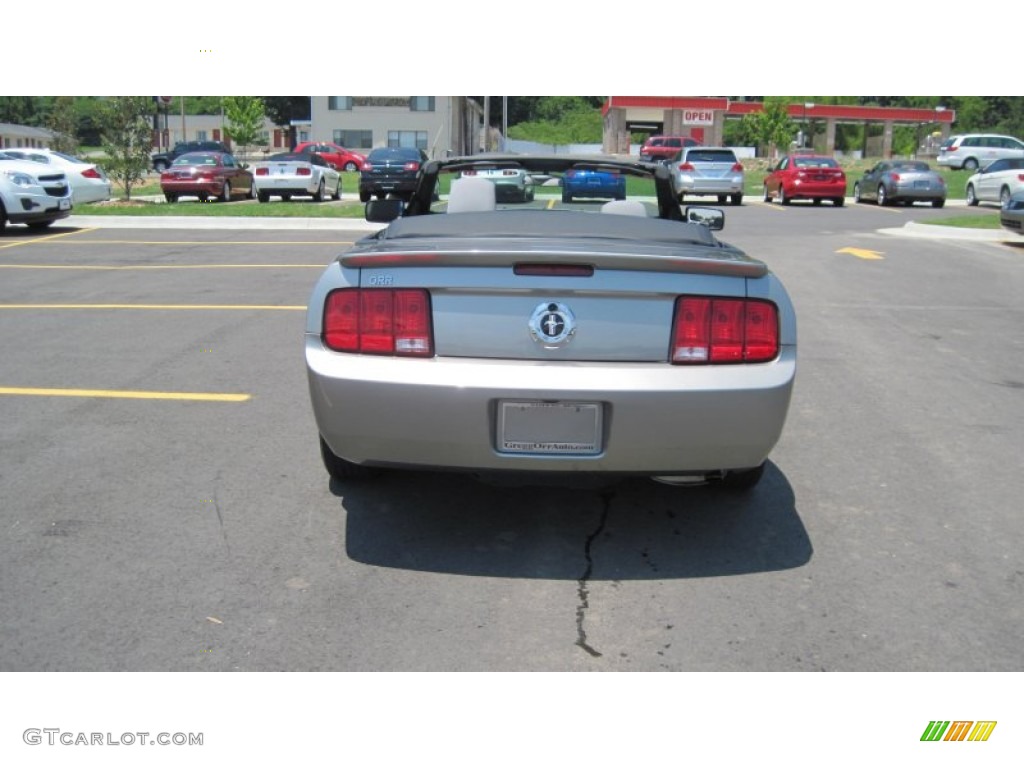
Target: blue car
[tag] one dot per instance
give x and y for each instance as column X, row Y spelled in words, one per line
column 582, row 183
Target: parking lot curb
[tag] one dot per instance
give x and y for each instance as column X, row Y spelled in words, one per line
column 940, row 232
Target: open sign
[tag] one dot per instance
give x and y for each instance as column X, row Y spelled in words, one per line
column 698, row 117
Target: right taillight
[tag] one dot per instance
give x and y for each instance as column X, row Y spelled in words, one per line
column 379, row 321
column 712, row 330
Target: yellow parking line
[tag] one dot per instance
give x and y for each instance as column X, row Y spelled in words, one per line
column 162, row 266
column 770, row 206
column 285, row 308
column 48, row 238
column 551, row 204
column 127, row 394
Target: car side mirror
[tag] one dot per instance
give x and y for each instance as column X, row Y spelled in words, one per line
column 384, row 211
column 712, row 218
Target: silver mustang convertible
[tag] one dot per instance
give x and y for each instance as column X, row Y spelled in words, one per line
column 616, row 338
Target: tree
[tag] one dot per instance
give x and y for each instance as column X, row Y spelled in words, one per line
column 244, row 115
column 771, row 127
column 127, row 139
column 283, row 109
column 64, row 123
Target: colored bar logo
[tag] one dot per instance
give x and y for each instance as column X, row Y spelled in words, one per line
column 958, row 730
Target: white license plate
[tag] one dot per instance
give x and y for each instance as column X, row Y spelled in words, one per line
column 551, row 428
column 65, row 204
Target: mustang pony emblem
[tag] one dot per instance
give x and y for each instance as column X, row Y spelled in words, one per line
column 552, row 324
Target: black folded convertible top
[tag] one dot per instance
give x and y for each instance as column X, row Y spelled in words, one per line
column 547, row 223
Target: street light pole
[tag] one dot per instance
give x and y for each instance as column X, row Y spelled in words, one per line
column 807, row 105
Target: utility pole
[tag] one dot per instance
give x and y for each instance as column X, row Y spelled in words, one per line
column 487, row 122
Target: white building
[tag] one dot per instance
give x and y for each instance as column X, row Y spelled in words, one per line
column 13, row 136
column 439, row 125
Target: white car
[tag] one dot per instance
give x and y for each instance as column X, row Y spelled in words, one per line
column 997, row 182
column 510, row 184
column 289, row 174
column 976, row 150
column 89, row 184
column 32, row 194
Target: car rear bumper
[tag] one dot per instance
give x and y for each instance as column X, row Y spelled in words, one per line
column 657, row 419
column 385, row 186
column 288, row 186
column 816, row 189
column 192, row 187
column 702, row 186
column 907, row 192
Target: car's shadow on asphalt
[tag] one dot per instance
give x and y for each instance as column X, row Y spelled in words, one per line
column 636, row 529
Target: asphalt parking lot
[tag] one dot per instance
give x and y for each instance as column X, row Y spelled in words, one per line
column 164, row 505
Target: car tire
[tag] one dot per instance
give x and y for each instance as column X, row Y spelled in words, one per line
column 318, row 196
column 742, row 479
column 263, row 197
column 350, row 166
column 225, row 193
column 1004, row 197
column 3, row 218
column 40, row 224
column 972, row 198
column 817, row 201
column 737, row 200
column 722, row 199
column 160, row 166
column 882, row 197
column 170, row 198
column 252, row 191
column 767, row 195
column 364, row 197
column 856, row 193
column 286, row 198
column 838, row 202
column 342, row 470
column 938, row 203
column 566, row 197
column 783, row 200
column 970, row 164
column 337, row 190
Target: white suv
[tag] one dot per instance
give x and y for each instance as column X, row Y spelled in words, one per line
column 32, row 194
column 976, row 150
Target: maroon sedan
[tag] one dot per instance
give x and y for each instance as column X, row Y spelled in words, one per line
column 205, row 175
column 807, row 177
column 337, row 157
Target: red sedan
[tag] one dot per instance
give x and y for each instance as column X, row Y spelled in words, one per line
column 205, row 175
column 806, row 177
column 337, row 157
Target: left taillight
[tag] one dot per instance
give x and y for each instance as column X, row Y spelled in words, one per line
column 379, row 321
column 262, row 171
column 717, row 330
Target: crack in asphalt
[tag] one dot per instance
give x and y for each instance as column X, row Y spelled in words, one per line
column 220, row 518
column 582, row 591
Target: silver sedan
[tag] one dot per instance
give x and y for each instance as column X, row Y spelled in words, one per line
column 621, row 340
column 288, row 175
column 901, row 181
column 708, row 171
column 997, row 182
